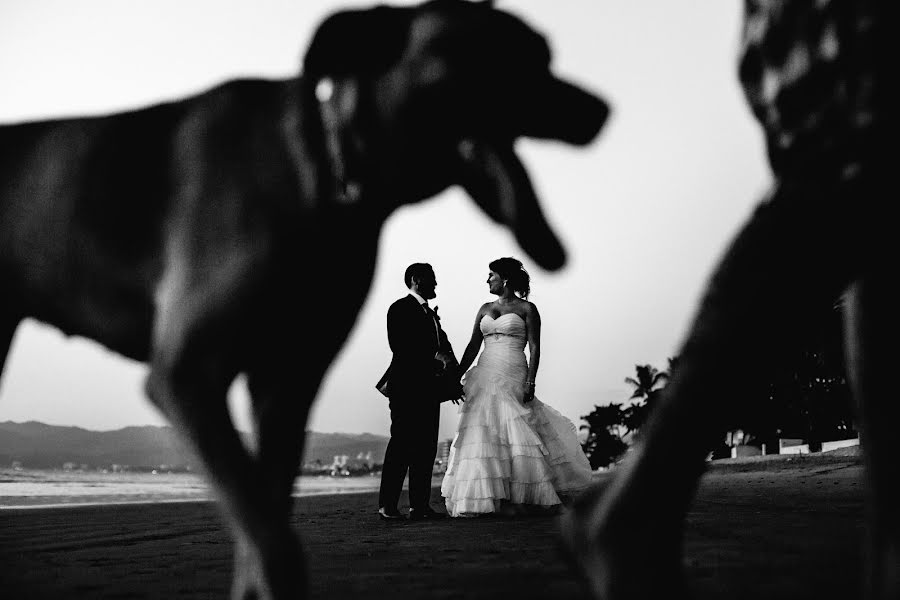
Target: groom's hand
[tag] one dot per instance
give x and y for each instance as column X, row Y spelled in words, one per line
column 445, row 361
column 459, row 394
column 462, row 396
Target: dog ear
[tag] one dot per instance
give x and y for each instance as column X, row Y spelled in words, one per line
column 358, row 42
column 348, row 49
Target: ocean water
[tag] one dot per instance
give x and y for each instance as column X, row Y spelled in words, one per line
column 33, row 488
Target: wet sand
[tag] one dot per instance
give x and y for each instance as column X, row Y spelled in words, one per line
column 775, row 528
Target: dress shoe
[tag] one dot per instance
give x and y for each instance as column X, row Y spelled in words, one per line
column 386, row 514
column 426, row 514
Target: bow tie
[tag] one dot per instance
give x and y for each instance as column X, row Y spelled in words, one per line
column 432, row 311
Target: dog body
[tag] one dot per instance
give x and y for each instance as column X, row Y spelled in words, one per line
column 197, row 235
column 180, row 236
column 815, row 76
column 93, row 207
column 118, row 217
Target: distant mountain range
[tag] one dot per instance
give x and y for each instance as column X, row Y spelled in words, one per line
column 40, row 446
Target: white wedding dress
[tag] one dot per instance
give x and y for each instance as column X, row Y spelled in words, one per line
column 506, row 451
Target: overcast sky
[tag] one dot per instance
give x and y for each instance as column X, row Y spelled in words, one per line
column 644, row 212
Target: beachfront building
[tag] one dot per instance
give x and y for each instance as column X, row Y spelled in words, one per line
column 443, row 456
column 738, row 444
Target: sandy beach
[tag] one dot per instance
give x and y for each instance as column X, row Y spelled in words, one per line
column 770, row 528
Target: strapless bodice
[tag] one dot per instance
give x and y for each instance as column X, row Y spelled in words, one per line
column 504, row 346
column 506, row 331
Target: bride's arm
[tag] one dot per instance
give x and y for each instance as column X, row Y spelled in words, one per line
column 474, row 346
column 533, row 324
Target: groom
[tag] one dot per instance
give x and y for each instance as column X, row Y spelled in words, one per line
column 421, row 353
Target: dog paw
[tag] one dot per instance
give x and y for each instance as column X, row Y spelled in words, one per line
column 275, row 574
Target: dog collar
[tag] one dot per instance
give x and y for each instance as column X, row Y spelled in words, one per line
column 346, row 190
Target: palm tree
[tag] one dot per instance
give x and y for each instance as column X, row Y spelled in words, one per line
column 604, row 444
column 607, row 425
column 648, row 383
column 648, row 378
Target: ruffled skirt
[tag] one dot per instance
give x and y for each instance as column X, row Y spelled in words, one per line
column 506, row 451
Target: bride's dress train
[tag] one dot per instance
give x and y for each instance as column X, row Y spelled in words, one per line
column 506, row 451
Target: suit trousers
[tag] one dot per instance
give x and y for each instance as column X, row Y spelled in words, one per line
column 412, row 448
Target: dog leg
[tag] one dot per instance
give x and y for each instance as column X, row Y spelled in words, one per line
column 8, row 328
column 198, row 408
column 192, row 365
column 7, row 331
column 872, row 332
column 627, row 539
column 281, row 404
column 280, row 410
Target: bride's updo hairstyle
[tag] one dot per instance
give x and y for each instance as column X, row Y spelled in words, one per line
column 515, row 275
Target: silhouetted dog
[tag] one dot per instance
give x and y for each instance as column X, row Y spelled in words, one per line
column 816, row 76
column 199, row 235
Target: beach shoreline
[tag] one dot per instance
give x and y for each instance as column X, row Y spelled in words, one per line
column 773, row 529
column 65, row 505
column 34, row 489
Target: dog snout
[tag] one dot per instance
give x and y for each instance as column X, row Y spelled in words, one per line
column 565, row 112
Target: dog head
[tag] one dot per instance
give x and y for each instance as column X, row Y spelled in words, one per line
column 416, row 99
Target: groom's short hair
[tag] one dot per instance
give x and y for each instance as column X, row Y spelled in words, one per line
column 417, row 270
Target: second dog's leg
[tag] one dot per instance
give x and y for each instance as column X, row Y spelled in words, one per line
column 627, row 538
column 873, row 328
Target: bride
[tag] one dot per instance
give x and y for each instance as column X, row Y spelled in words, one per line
column 511, row 452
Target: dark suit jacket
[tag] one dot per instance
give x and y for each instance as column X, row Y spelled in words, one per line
column 411, row 335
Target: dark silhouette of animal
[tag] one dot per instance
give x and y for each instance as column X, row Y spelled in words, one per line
column 235, row 232
column 815, row 75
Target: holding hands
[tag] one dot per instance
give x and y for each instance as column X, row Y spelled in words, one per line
column 448, row 369
column 529, row 392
